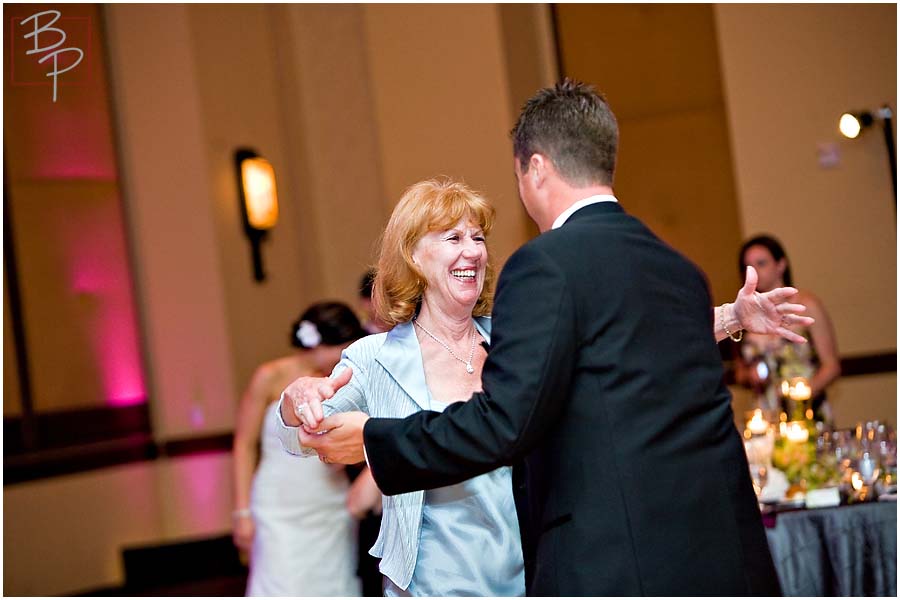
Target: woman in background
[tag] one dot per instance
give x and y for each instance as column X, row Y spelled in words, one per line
column 818, row 360
column 288, row 505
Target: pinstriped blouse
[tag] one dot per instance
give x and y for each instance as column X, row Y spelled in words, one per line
column 389, row 381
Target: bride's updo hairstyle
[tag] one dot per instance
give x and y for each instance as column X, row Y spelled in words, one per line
column 326, row 324
column 431, row 205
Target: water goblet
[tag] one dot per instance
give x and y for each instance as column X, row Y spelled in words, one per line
column 759, row 473
column 866, row 470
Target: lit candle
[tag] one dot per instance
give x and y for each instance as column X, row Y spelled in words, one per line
column 797, row 432
column 757, row 424
column 800, row 391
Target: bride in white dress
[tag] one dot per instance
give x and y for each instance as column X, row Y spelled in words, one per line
column 290, row 505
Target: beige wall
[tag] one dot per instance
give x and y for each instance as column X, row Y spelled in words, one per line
column 529, row 44
column 442, row 106
column 789, row 72
column 65, row 534
column 658, row 66
column 328, row 117
column 170, row 207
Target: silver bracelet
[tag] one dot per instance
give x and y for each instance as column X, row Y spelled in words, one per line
column 740, row 334
column 240, row 513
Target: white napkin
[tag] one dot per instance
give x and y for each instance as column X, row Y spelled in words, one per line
column 776, row 486
column 823, row 497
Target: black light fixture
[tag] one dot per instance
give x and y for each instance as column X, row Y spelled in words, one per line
column 259, row 201
column 853, row 124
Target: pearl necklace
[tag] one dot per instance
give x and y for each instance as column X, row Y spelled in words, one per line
column 469, row 368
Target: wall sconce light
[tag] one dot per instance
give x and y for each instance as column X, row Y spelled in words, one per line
column 852, row 124
column 259, row 201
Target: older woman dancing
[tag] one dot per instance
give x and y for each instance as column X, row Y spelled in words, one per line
column 435, row 287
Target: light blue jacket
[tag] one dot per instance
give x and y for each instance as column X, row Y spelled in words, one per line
column 388, row 381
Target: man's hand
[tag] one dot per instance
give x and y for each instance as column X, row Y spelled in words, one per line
column 342, row 441
column 769, row 312
column 306, row 395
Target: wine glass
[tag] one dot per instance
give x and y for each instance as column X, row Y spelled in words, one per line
column 844, row 449
column 843, row 445
column 760, row 475
column 824, row 440
column 866, row 468
column 887, row 447
column 869, row 466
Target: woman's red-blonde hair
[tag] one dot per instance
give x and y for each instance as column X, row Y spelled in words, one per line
column 431, row 205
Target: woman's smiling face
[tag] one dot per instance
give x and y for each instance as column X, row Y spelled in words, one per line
column 453, row 262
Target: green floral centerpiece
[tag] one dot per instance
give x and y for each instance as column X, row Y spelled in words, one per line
column 797, row 459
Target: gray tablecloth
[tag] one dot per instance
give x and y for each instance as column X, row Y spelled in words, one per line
column 844, row 551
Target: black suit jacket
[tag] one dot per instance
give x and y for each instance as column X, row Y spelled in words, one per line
column 604, row 376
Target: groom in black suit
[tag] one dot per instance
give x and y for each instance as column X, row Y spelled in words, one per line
column 603, row 384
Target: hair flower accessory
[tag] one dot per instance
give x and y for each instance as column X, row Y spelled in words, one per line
column 308, row 334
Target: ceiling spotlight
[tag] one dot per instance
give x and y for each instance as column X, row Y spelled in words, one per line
column 852, row 124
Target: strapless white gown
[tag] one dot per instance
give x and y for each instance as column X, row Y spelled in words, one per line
column 305, row 540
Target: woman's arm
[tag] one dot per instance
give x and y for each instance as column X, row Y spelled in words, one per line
column 725, row 322
column 825, row 344
column 251, row 411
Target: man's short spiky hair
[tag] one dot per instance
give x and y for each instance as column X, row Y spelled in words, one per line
column 572, row 125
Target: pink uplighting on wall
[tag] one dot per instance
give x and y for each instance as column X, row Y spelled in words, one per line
column 116, row 347
column 72, row 137
column 70, row 143
column 99, row 278
column 200, row 480
column 69, row 222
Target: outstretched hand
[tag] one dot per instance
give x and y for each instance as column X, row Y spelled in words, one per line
column 769, row 312
column 306, row 395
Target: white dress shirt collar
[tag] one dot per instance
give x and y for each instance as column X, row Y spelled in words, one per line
column 579, row 205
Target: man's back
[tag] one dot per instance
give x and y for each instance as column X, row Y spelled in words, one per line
column 641, row 486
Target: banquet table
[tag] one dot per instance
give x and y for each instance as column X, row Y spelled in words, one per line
column 841, row 551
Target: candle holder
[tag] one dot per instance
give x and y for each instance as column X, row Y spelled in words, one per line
column 797, row 394
column 796, row 432
column 757, row 422
column 759, row 444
